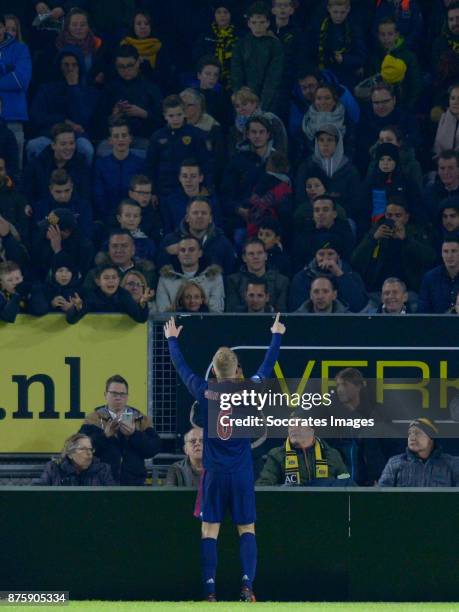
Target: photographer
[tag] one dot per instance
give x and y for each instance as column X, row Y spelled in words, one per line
column 122, row 436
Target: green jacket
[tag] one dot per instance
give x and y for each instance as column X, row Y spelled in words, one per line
column 258, row 64
column 273, row 472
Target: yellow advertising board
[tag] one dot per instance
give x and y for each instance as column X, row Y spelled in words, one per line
column 52, row 374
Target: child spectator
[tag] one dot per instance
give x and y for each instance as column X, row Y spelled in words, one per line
column 217, row 100
column 18, row 296
column 191, row 297
column 269, row 232
column 408, row 18
column 129, row 218
column 141, row 191
column 62, row 282
column 12, row 203
column 258, row 59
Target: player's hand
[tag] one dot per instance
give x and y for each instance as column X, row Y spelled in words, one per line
column 171, row 330
column 278, row 327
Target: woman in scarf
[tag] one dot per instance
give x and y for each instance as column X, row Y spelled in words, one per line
column 447, row 136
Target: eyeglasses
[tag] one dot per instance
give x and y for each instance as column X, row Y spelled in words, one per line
column 125, row 66
column 84, row 449
column 118, row 393
column 135, row 285
column 194, row 441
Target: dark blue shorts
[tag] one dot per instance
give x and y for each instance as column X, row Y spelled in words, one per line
column 221, row 491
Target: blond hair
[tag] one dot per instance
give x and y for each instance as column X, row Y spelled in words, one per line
column 225, row 363
column 244, row 95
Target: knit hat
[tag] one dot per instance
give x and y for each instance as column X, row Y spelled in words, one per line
column 387, row 149
column 425, row 425
column 63, row 260
column 333, row 242
column 62, row 217
column 393, row 69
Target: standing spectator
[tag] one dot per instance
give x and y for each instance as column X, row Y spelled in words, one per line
column 9, row 151
column 188, row 472
column 439, row 286
column 216, row 99
column 445, row 51
column 258, row 59
column 122, row 436
column 141, row 191
column 408, row 18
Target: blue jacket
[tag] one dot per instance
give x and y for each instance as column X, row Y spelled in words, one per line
column 438, row 291
column 15, row 75
column 81, row 208
column 111, row 181
column 28, row 299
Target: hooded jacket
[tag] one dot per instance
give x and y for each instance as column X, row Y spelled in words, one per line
column 15, row 75
column 62, row 473
column 172, row 277
column 236, row 285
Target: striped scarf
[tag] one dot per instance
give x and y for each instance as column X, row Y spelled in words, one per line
column 324, row 27
column 225, row 39
column 292, row 470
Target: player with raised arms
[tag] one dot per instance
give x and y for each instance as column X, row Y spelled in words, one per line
column 228, row 479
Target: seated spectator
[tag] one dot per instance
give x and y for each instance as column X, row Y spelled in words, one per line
column 141, row 191
column 440, row 285
column 171, row 145
column 18, row 296
column 394, row 299
column 324, row 226
column 132, row 98
column 302, row 98
column 408, row 18
column 323, row 298
column 247, row 105
column 63, row 282
column 11, row 247
column 254, row 269
column 60, row 154
column 445, row 50
column 190, row 265
column 62, row 194
column 9, row 151
column 68, row 100
column 314, row 185
column 108, row 297
column 198, row 223
column 12, row 203
column 216, row 100
column 269, row 232
column 445, row 185
column 173, row 207
column 122, row 436
column 188, row 472
column 129, row 218
column 446, row 137
column 410, row 167
column 303, row 460
column 76, row 467
column 191, row 297
column 397, row 65
column 114, row 172
column 449, row 218
column 327, row 261
column 256, row 298
column 343, row 177
column 258, row 59
column 395, row 246
column 423, row 464
column 136, row 283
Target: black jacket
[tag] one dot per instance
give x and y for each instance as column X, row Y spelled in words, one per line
column 121, row 301
column 63, row 474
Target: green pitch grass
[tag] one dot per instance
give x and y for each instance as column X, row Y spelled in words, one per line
column 166, row 606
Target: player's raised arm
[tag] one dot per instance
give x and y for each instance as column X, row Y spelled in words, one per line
column 266, row 368
column 171, row 330
column 278, row 327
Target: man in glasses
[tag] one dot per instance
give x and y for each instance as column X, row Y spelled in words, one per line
column 187, row 473
column 121, row 435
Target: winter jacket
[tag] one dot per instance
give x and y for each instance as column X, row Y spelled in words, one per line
column 279, row 260
column 28, row 299
column 144, row 267
column 171, row 278
column 406, row 259
column 82, row 210
column 236, row 286
column 236, row 136
column 15, row 75
column 111, row 181
column 12, row 205
column 125, row 454
column 308, row 308
column 13, row 250
column 273, row 472
column 62, row 473
column 408, row 470
column 168, row 148
column 438, row 291
column 409, row 165
column 181, row 474
column 173, row 207
column 216, row 247
column 53, row 289
column 308, row 240
column 409, row 21
column 445, row 62
column 97, row 301
column 57, row 101
column 351, row 290
column 258, row 63
column 37, row 174
column 434, row 194
column 9, row 150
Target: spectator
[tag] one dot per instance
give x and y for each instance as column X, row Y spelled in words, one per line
column 446, row 183
column 445, row 51
column 303, row 460
column 446, row 138
column 13, row 26
column 455, row 308
column 171, row 145
column 256, row 297
column 62, row 195
column 328, row 262
column 440, row 285
column 61, row 153
column 12, row 203
column 108, row 297
column 198, row 223
column 136, row 283
column 18, row 296
column 302, row 97
column 122, row 436
column 191, row 297
column 394, row 298
column 11, row 247
column 114, row 172
column 216, row 100
column 408, row 18
column 188, row 472
column 258, row 59
column 188, row 265
column 131, row 97
column 423, row 464
column 68, row 100
column 254, row 269
column 141, row 191
column 269, row 232
column 9, row 151
column 76, row 467
column 130, row 218
column 322, row 298
column 63, row 282
column 394, row 246
column 15, row 75
column 449, row 218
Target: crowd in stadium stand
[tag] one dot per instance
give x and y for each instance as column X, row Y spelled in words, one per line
column 205, row 156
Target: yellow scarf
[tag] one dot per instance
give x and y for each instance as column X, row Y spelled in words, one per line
column 147, row 47
column 292, row 471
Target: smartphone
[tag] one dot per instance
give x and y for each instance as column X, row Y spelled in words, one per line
column 389, row 223
column 126, row 417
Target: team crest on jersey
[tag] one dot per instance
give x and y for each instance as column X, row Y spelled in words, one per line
column 186, row 140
